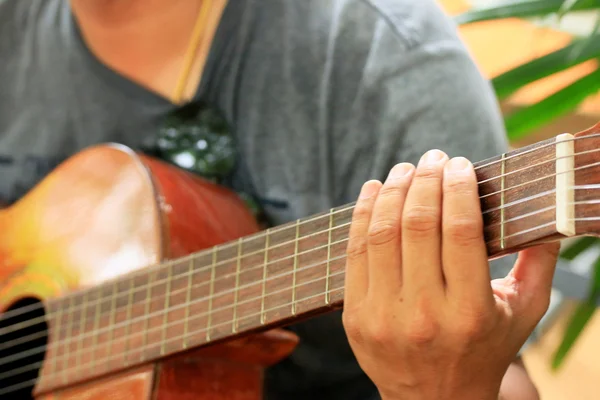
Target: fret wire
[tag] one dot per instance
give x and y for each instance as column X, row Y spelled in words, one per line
column 128, row 311
column 147, row 303
column 328, row 256
column 529, row 167
column 188, row 297
column 166, row 307
column 311, row 266
column 67, row 342
column 533, row 149
column 224, row 323
column 295, row 267
column 346, row 208
column 212, row 288
column 314, row 218
column 350, row 205
column 343, row 240
column 503, row 166
column 304, row 268
column 264, row 280
column 33, row 381
column 237, row 284
column 112, row 316
column 82, row 319
column 57, row 343
column 96, row 324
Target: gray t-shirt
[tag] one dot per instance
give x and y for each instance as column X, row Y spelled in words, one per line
column 323, row 94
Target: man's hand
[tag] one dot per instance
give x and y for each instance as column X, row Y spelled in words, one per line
column 421, row 314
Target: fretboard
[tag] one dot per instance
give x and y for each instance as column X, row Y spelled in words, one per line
column 276, row 276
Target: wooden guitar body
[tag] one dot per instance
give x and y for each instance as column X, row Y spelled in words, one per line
column 107, row 212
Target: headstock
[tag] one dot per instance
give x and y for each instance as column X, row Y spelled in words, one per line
column 587, row 181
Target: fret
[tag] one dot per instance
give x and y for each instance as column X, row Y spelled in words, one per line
column 128, row 312
column 502, row 189
column 526, row 195
column 211, row 291
column 96, row 326
column 188, row 298
column 66, row 354
column 327, row 272
column 82, row 331
column 112, row 316
column 165, row 320
column 517, row 196
column 237, row 287
column 296, row 242
column 565, row 181
column 264, row 279
column 58, row 314
column 147, row 304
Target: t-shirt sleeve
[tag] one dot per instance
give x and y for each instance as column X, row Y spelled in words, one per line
column 416, row 94
column 413, row 99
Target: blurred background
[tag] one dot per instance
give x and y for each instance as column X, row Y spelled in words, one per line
column 542, row 58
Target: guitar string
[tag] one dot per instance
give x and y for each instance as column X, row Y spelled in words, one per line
column 124, row 354
column 156, row 283
column 476, row 167
column 89, row 349
column 80, row 337
column 518, row 153
column 189, row 258
column 280, row 244
column 148, row 269
column 503, row 175
column 196, row 332
column 257, row 266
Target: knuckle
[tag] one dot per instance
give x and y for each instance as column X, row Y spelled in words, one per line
column 380, row 333
column 464, row 229
column 353, row 326
column 460, row 185
column 473, row 325
column 428, row 173
column 383, row 232
column 361, row 212
column 422, row 332
column 420, row 220
column 423, row 328
column 357, row 248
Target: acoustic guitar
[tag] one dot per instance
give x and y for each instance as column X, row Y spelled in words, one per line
column 123, row 277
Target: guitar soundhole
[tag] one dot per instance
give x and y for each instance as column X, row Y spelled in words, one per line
column 23, row 338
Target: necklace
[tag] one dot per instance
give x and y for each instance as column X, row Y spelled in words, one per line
column 191, row 52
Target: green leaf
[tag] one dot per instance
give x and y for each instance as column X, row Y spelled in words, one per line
column 579, row 320
column 520, row 123
column 578, row 51
column 521, row 9
column 579, row 246
column 567, row 6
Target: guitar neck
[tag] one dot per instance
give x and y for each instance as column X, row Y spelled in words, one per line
column 297, row 270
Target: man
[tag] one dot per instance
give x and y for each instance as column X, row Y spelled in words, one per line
column 323, row 95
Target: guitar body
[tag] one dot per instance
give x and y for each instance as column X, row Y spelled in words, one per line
column 106, row 208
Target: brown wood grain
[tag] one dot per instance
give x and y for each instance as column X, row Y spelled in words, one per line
column 253, row 282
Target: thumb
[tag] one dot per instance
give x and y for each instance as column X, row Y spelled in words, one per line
column 533, row 273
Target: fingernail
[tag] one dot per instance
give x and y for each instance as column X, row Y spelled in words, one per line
column 400, row 170
column 369, row 189
column 432, row 157
column 458, row 164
